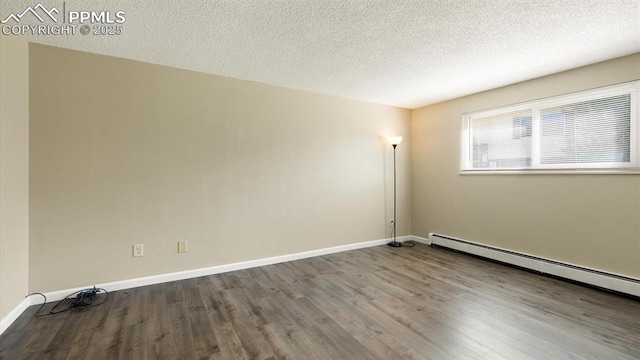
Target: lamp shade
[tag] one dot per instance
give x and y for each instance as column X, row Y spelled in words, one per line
column 394, row 140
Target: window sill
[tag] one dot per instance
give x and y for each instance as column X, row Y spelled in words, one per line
column 553, row 172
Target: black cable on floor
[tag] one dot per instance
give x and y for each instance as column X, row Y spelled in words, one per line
column 83, row 298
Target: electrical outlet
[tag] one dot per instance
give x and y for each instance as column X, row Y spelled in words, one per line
column 182, row 247
column 138, row 250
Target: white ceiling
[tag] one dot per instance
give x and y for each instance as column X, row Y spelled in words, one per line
column 403, row 53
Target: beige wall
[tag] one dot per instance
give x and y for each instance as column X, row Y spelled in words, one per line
column 124, row 152
column 589, row 220
column 14, row 172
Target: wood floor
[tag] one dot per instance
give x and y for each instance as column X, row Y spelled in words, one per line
column 375, row 303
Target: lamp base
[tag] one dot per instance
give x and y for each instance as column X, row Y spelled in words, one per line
column 394, row 244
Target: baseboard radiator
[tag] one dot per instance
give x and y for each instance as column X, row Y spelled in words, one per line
column 598, row 278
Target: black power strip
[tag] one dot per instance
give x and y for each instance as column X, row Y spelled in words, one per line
column 84, row 297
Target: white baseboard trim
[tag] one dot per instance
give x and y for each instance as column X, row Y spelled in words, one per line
column 421, row 240
column 607, row 280
column 188, row 274
column 13, row 315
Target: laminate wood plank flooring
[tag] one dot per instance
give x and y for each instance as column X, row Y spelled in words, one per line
column 376, row 303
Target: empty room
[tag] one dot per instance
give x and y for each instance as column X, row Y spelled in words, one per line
column 320, row 179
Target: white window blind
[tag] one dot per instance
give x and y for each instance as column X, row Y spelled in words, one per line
column 588, row 132
column 591, row 130
column 498, row 141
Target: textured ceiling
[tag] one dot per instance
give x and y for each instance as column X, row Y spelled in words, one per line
column 402, row 53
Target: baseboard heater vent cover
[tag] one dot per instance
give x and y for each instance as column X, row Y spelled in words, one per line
column 598, row 278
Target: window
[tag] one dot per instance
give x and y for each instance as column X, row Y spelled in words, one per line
column 522, row 127
column 593, row 130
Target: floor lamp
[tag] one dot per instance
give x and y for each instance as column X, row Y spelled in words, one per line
column 394, row 141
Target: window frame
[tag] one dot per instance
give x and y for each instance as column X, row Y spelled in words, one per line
column 632, row 167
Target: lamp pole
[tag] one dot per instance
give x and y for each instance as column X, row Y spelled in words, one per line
column 394, row 142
